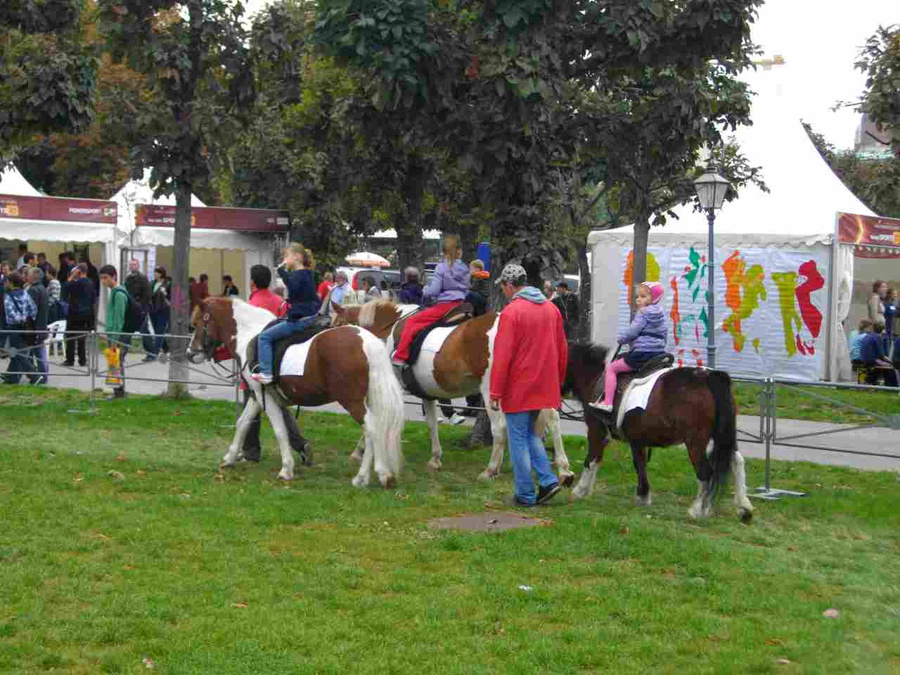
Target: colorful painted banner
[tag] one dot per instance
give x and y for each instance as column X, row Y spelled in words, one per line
column 57, row 208
column 216, row 218
column 873, row 237
column 770, row 307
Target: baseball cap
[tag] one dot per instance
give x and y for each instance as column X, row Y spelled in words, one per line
column 511, row 273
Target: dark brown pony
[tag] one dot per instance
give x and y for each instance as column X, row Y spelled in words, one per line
column 348, row 365
column 687, row 405
column 459, row 368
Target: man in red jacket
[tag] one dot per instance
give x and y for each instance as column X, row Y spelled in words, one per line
column 529, row 357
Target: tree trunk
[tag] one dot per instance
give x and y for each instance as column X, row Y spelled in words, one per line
column 585, row 305
column 409, row 232
column 469, row 235
column 639, row 268
column 180, row 300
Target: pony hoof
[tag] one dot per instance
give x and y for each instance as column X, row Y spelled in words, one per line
column 746, row 516
column 579, row 493
column 566, row 478
column 359, row 482
column 643, row 501
column 226, row 465
column 285, row 477
column 355, row 457
column 389, row 482
column 434, row 464
column 487, row 474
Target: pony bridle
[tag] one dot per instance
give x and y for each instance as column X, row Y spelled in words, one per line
column 208, row 345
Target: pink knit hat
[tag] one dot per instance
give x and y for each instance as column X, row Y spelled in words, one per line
column 656, row 290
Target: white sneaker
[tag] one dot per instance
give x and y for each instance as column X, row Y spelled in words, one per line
column 455, row 419
column 262, row 378
column 603, row 407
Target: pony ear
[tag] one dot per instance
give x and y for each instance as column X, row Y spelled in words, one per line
column 337, row 308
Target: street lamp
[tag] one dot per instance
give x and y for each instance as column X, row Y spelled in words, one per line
column 711, row 189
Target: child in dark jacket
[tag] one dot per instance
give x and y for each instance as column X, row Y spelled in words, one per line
column 479, row 287
column 646, row 335
column 296, row 270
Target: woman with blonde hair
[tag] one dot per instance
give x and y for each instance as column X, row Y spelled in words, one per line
column 296, row 270
column 447, row 289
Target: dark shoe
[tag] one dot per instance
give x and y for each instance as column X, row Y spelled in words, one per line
column 148, row 358
column 83, row 365
column 69, row 364
column 251, row 458
column 117, row 395
column 520, row 503
column 545, row 494
column 305, row 453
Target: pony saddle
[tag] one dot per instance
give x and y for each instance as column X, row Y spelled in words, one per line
column 658, row 362
column 281, row 346
column 459, row 314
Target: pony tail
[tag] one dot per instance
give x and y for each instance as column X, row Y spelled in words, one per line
column 724, row 430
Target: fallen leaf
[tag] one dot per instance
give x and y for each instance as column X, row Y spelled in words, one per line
column 79, row 479
column 783, row 662
column 624, row 530
column 831, row 613
column 793, row 548
column 177, row 413
column 128, row 567
column 774, row 641
column 140, row 473
column 121, row 457
column 240, row 605
column 117, row 475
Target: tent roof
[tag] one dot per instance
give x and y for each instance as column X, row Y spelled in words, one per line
column 805, row 194
column 13, row 183
column 139, row 192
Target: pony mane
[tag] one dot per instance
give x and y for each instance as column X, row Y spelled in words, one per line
column 245, row 313
column 369, row 311
column 588, row 356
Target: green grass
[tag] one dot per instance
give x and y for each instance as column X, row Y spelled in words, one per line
column 233, row 572
column 803, row 403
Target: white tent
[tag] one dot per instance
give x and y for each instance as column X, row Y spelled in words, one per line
column 14, row 183
column 777, row 269
column 143, row 241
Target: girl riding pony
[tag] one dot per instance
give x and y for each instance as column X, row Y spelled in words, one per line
column 447, row 289
column 646, row 335
column 296, row 270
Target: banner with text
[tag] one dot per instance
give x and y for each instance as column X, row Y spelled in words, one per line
column 216, row 218
column 58, row 208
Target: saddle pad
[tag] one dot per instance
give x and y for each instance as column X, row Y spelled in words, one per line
column 436, row 338
column 638, row 394
column 294, row 360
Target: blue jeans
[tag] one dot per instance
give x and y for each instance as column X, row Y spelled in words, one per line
column 41, row 363
column 160, row 319
column 269, row 336
column 20, row 363
column 526, row 452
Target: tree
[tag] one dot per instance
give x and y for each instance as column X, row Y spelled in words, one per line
column 880, row 61
column 47, row 71
column 195, row 58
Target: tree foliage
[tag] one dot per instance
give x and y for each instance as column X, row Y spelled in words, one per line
column 47, row 71
column 195, row 59
column 879, row 59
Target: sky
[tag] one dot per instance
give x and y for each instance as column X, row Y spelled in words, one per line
column 819, row 40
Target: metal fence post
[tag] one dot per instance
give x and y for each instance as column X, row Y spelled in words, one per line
column 770, row 395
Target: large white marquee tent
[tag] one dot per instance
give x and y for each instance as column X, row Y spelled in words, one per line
column 783, row 286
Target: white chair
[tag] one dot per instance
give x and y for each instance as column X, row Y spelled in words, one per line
column 56, row 333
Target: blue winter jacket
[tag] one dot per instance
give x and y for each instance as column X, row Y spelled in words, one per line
column 302, row 296
column 647, row 333
column 449, row 283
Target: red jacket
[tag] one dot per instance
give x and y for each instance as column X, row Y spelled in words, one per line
column 266, row 299
column 529, row 357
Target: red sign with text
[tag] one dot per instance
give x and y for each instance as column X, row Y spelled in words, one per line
column 870, row 234
column 216, row 218
column 57, row 208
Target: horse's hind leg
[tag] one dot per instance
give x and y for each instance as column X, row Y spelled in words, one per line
column 549, row 420
column 360, row 449
column 498, row 430
column 432, row 418
column 741, row 502
column 702, row 506
column 251, row 410
column 639, row 457
column 598, row 437
column 357, row 410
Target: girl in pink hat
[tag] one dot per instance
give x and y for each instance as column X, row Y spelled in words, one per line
column 646, row 335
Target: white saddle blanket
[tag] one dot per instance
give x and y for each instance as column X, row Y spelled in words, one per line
column 294, row 361
column 637, row 395
column 436, row 338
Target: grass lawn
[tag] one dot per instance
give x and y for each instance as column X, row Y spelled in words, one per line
column 802, row 403
column 121, row 542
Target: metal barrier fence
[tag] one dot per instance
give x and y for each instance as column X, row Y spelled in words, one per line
column 767, row 433
column 33, row 355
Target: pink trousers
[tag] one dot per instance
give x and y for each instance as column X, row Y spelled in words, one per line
column 609, row 379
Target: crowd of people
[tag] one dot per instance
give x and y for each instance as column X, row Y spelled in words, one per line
column 875, row 344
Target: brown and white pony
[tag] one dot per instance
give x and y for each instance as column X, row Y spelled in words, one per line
column 694, row 406
column 461, row 367
column 348, row 365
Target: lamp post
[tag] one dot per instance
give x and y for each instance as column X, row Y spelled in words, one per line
column 711, row 189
